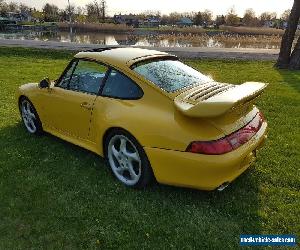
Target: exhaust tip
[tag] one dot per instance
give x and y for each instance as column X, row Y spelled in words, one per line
column 223, row 186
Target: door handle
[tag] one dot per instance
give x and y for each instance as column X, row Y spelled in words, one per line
column 85, row 105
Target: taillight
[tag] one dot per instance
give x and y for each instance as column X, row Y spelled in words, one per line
column 229, row 142
column 218, row 147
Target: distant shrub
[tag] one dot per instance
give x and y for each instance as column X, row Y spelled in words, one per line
column 176, row 29
column 252, row 30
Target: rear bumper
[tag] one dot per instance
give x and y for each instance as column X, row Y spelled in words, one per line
column 206, row 172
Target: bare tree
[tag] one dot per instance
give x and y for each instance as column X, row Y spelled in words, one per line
column 203, row 18
column 287, row 40
column 250, row 18
column 190, row 15
column 93, row 11
column 285, row 15
column 231, row 17
column 79, row 11
column 220, row 20
column 81, row 16
column 174, row 17
column 70, row 11
column 23, row 7
column 164, row 20
column 198, row 19
column 50, row 12
column 13, row 7
column 3, row 7
column 267, row 16
column 207, row 16
column 103, row 9
column 96, row 11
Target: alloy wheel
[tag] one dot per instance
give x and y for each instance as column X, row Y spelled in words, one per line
column 124, row 160
column 28, row 116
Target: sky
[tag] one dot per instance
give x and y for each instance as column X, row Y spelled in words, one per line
column 218, row 7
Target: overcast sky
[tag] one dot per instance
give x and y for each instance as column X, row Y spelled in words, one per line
column 167, row 6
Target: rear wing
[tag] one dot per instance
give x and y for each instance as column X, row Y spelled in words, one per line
column 215, row 99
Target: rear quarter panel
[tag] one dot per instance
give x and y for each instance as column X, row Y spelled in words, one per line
column 153, row 120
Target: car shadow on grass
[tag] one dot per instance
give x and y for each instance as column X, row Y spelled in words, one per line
column 53, row 178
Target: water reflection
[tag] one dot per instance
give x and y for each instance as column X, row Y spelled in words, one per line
column 159, row 40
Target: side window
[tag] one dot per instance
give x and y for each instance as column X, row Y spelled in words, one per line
column 87, row 77
column 65, row 79
column 120, row 86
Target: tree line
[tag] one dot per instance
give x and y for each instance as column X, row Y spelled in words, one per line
column 250, row 18
column 95, row 11
column 92, row 12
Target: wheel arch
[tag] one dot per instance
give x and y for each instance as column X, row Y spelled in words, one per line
column 110, row 130
column 145, row 156
column 22, row 96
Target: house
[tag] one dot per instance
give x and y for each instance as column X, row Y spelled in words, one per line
column 136, row 20
column 285, row 25
column 152, row 22
column 269, row 24
column 26, row 16
column 23, row 16
column 184, row 21
column 6, row 21
column 127, row 19
column 119, row 19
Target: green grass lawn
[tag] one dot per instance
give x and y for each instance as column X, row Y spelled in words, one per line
column 56, row 195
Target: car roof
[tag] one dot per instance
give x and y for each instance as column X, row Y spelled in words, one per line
column 121, row 56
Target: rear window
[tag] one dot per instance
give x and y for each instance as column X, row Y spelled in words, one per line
column 170, row 75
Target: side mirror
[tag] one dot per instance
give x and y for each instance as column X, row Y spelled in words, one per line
column 45, row 83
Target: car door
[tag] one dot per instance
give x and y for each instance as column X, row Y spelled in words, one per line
column 71, row 100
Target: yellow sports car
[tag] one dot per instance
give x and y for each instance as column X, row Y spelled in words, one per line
column 150, row 116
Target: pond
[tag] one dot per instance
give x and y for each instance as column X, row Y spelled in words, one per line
column 217, row 40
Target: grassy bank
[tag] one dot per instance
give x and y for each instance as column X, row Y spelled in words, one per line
column 221, row 40
column 254, row 30
column 55, row 195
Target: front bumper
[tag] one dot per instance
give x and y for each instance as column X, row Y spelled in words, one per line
column 205, row 172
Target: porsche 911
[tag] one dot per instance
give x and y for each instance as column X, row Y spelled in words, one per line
column 150, row 116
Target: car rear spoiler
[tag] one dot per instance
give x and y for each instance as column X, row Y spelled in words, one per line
column 215, row 99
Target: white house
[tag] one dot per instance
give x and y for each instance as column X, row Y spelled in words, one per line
column 269, row 24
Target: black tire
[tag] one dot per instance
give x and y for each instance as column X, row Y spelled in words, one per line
column 36, row 120
column 146, row 175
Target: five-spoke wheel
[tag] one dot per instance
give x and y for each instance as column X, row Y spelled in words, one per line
column 30, row 116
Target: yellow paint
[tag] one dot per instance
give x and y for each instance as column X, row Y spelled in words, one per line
column 154, row 120
column 217, row 105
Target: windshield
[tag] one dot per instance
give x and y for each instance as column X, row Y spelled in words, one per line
column 170, row 75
